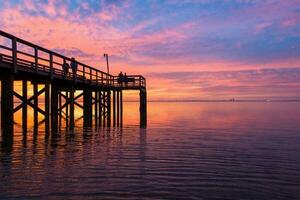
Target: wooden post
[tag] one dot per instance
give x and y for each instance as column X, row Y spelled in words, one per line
column 143, row 109
column 108, row 109
column 87, row 107
column 118, row 108
column 121, row 108
column 100, row 97
column 36, row 59
column 54, row 108
column 36, row 104
column 59, row 106
column 72, row 108
column 114, row 108
column 47, row 107
column 104, row 108
column 51, row 65
column 67, row 109
column 24, row 109
column 96, row 108
column 14, row 55
column 7, row 107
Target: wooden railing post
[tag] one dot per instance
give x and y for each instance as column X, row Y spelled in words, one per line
column 51, row 65
column 14, row 55
column 36, row 59
column 140, row 80
column 97, row 77
column 64, row 70
column 91, row 76
column 83, row 69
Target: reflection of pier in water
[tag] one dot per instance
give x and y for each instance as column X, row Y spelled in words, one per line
column 98, row 94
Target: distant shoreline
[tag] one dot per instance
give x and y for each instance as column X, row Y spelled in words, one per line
column 230, row 101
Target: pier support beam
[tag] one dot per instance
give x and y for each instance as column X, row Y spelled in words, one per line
column 143, row 109
column 36, row 105
column 88, row 108
column 24, row 107
column 118, row 108
column 121, row 108
column 7, row 107
column 72, row 108
column 96, row 100
column 108, row 108
column 54, row 108
column 47, row 107
column 114, row 108
column 100, row 108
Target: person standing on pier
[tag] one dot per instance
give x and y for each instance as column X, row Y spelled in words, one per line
column 120, row 79
column 74, row 66
column 66, row 68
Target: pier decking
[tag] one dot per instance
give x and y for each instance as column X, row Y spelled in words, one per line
column 102, row 94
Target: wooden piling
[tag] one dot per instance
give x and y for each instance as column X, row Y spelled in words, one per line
column 121, row 108
column 114, row 108
column 108, row 109
column 143, row 109
column 7, row 107
column 24, row 106
column 100, row 97
column 54, row 108
column 60, row 106
column 36, row 105
column 67, row 108
column 88, row 109
column 72, row 108
column 47, row 107
column 96, row 108
column 118, row 108
column 104, row 108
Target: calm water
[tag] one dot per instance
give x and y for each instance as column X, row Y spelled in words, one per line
column 189, row 151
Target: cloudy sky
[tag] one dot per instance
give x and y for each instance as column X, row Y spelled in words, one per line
column 187, row 49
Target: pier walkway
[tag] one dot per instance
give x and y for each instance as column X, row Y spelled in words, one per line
column 101, row 92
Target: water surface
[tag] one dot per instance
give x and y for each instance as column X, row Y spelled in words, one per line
column 189, row 151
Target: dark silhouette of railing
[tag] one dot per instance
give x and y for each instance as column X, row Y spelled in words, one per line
column 49, row 63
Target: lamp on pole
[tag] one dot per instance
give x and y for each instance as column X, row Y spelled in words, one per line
column 106, row 56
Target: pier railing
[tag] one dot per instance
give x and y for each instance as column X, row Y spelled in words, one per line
column 31, row 58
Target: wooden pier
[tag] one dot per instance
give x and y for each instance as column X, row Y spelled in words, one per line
column 102, row 93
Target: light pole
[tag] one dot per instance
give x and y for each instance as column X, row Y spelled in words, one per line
column 106, row 56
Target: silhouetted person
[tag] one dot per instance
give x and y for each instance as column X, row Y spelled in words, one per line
column 74, row 66
column 120, row 79
column 66, row 67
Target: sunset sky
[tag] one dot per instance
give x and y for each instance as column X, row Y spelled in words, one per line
column 187, row 49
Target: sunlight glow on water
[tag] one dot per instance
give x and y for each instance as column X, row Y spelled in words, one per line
column 189, row 151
